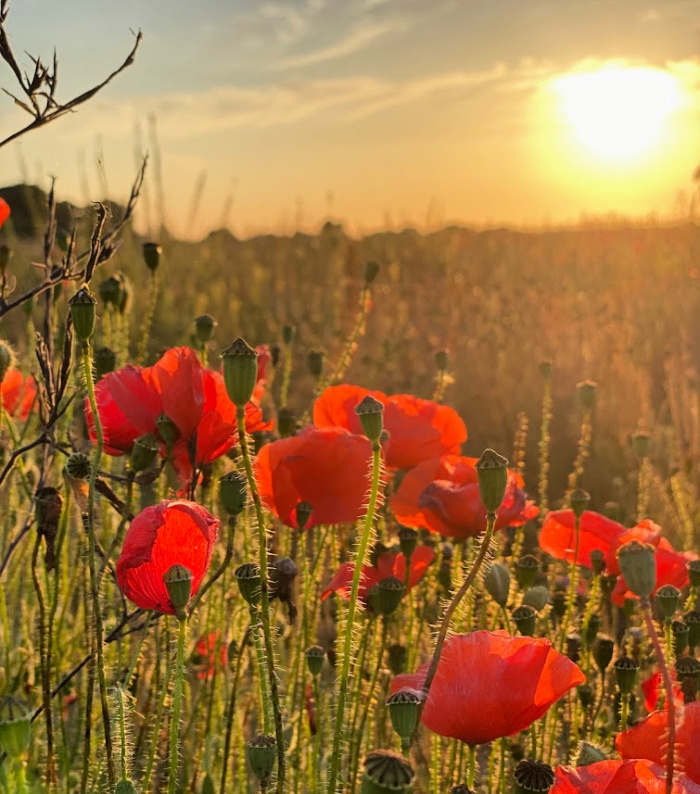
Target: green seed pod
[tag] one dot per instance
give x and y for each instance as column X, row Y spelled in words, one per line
column 442, row 360
column 15, row 726
column 104, row 361
column 693, row 570
column 525, row 619
column 586, row 394
column 388, row 595
column 286, row 423
column 78, row 466
column 151, row 255
column 532, row 776
column 625, row 674
column 641, row 444
column 127, row 787
column 82, row 309
column 497, row 583
column 143, row 453
column 167, row 430
column 586, row 695
column 303, row 513
column 370, row 412
column 262, row 753
column 233, row 492
column 559, row 600
column 692, row 621
column 589, row 753
column 240, row 371
column 408, row 540
column 688, row 673
column 638, row 567
column 492, row 471
column 386, row 772
column 597, row 558
column 371, row 272
column 287, row 334
column 208, row 785
column 314, row 361
column 603, row 650
column 110, row 291
column 573, row 647
column 315, row 655
column 248, row 578
column 536, row 597
column 578, row 500
column 403, row 709
column 397, row 655
column 592, row 629
column 546, row 369
column 526, row 571
column 178, row 581
column 204, row 326
column 668, row 598
column 680, row 632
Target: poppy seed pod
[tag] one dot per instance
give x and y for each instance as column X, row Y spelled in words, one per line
column 397, row 655
column 668, row 598
column 536, row 597
column 692, row 621
column 578, row 500
column 204, row 326
column 597, row 558
column 287, row 334
column 442, row 360
column 559, row 603
column 286, row 423
column 127, row 787
column 371, row 272
column 82, row 309
column 603, row 650
column 110, row 291
column 104, row 360
column 625, row 670
column 641, row 444
column 497, row 583
column 261, row 755
column 592, row 628
column 233, row 492
column 78, row 466
column 586, row 393
column 525, row 619
column 492, row 473
column 370, row 413
column 143, row 453
column 240, row 371
column 386, row 772
column 408, row 539
column 388, row 595
column 462, row 788
column 314, row 659
column 546, row 368
column 303, row 513
column 589, row 753
column 15, row 726
column 403, row 709
column 638, row 567
column 248, row 578
column 680, row 632
column 586, row 695
column 167, row 430
column 151, row 255
column 314, row 362
column 532, row 776
column 526, row 570
column 178, row 580
column 694, row 573
column 573, row 647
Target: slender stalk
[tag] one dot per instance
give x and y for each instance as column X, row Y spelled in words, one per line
column 230, row 711
column 471, row 769
column 148, row 319
column 177, row 703
column 543, row 482
column 573, row 571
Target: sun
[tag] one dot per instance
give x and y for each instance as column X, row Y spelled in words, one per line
column 618, row 113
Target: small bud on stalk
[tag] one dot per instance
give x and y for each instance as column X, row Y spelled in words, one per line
column 143, row 453
column 536, row 597
column 233, row 492
column 178, row 581
column 261, row 755
column 82, row 309
column 303, row 513
column 403, row 709
column 625, row 670
column 579, row 499
column 204, row 326
column 151, row 255
column 638, row 567
column 586, row 393
column 371, row 272
column 104, row 361
column 603, row 652
column 314, row 361
column 370, row 412
column 240, row 371
column 497, row 583
column 589, row 753
column 408, row 540
column 286, row 423
column 248, row 578
column 314, row 659
column 526, row 571
column 525, row 619
column 492, row 471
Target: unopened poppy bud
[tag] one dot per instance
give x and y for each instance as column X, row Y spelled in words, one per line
column 638, row 567
column 694, row 573
column 370, row 413
column 286, row 423
column 546, row 369
column 287, row 334
column 403, row 709
column 589, row 753
column 692, row 621
column 386, row 772
column 680, row 632
column 396, row 657
column 240, row 371
column 5, row 258
column 492, row 471
column 586, row 695
column 371, row 272
column 536, row 597
column 104, row 360
column 592, row 628
column 233, row 492
column 388, row 595
column 603, row 650
column 204, row 326
column 597, row 558
column 178, row 581
column 15, row 726
column 110, row 291
column 82, row 309
column 261, row 755
column 525, row 619
column 625, row 670
column 314, row 361
column 526, row 570
column 532, row 776
column 127, row 787
column 641, row 443
column 303, row 512
column 167, row 430
column 408, row 540
column 143, row 453
column 497, row 583
column 248, row 578
column 284, row 572
column 586, row 393
column 668, row 598
column 78, row 466
column 151, row 255
column 442, row 360
column 578, row 500
column 7, row 358
column 315, row 655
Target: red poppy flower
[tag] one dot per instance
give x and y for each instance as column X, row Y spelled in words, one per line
column 391, row 563
column 206, row 651
column 4, row 211
column 17, row 393
column 442, row 495
column 326, row 467
column 618, row 777
column 489, row 685
column 648, row 739
column 418, row 429
column 174, row 532
column 558, row 538
column 652, row 690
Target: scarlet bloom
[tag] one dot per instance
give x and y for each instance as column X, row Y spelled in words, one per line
column 326, row 467
column 207, row 656
column 652, row 689
column 618, row 777
column 17, row 393
column 489, row 685
column 174, row 532
column 558, row 537
column 648, row 739
column 4, row 211
column 418, row 429
column 391, row 563
column 442, row 495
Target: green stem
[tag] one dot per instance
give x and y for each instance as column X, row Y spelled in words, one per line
column 471, row 769
column 177, row 703
column 573, row 571
column 148, row 320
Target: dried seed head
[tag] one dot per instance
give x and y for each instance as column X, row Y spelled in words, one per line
column 386, row 772
column 533, row 776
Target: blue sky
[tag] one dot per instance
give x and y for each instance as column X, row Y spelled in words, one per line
column 401, row 109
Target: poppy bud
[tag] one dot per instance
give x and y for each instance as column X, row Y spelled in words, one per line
column 240, row 371
column 110, row 291
column 287, row 334
column 397, row 655
column 497, row 583
column 386, row 772
column 586, row 695
column 207, row 785
column 78, row 466
column 578, row 500
column 589, row 753
column 127, row 787
column 178, row 581
column 532, row 776
column 603, row 652
column 625, row 674
column 248, row 578
column 573, row 647
column 143, row 453
column 442, row 360
column 167, row 430
column 388, row 595
column 492, row 471
column 286, row 423
column 526, row 570
column 314, row 362
column 586, row 393
column 638, row 567
column 104, row 360
column 668, row 598
column 261, row 755
column 692, row 621
column 408, row 539
column 694, row 573
column 403, row 709
column 641, row 443
column 7, row 358
column 680, row 632
column 592, row 628
column 536, row 597
column 15, row 726
column 559, row 603
column 233, row 492
column 82, row 309
column 151, row 255
column 204, row 326
column 5, row 258
column 314, row 659
column 546, row 369
column 370, row 412
column 303, row 512
column 371, row 272
column 597, row 558
column 525, row 619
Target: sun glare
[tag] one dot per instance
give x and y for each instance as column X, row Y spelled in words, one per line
column 618, row 113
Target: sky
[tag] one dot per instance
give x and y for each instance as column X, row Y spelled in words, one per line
column 272, row 115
